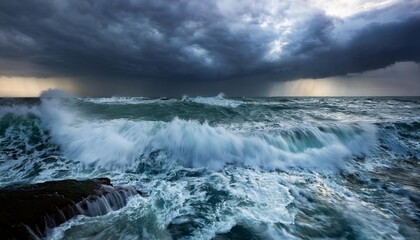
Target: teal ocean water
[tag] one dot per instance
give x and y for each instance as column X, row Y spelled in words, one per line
column 226, row 168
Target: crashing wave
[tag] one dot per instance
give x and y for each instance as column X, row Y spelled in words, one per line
column 219, row 100
column 118, row 143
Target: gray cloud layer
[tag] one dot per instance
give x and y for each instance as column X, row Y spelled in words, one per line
column 174, row 47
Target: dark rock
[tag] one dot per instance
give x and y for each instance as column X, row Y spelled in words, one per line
column 28, row 212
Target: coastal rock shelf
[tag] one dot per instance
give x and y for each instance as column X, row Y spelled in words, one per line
column 28, row 211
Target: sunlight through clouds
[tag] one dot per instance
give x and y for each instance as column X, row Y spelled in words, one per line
column 402, row 78
column 160, row 47
column 347, row 8
column 32, row 87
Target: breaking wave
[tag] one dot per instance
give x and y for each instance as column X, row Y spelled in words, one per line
column 127, row 100
column 219, row 100
column 119, row 142
column 213, row 179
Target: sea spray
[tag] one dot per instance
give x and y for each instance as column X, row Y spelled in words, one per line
column 269, row 168
column 119, row 143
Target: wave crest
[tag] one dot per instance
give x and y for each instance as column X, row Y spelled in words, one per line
column 219, row 100
column 119, row 143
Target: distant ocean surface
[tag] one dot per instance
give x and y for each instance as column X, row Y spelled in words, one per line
column 226, row 168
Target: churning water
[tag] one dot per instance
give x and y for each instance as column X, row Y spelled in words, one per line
column 226, row 168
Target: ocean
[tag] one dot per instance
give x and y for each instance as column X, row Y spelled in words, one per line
column 226, row 168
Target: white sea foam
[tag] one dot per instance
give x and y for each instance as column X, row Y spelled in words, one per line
column 174, row 162
column 244, row 197
column 126, row 100
column 114, row 100
column 219, row 100
column 19, row 110
column 118, row 143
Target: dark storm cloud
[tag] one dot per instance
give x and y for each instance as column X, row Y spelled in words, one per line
column 173, row 46
column 376, row 46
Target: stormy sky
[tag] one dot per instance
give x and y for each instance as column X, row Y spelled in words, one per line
column 249, row 47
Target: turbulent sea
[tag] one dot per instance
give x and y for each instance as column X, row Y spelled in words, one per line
column 226, row 168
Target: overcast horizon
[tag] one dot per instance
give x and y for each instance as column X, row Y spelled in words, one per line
column 240, row 48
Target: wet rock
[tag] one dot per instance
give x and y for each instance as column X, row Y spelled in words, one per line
column 27, row 212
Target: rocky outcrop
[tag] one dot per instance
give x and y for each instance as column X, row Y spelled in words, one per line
column 27, row 212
